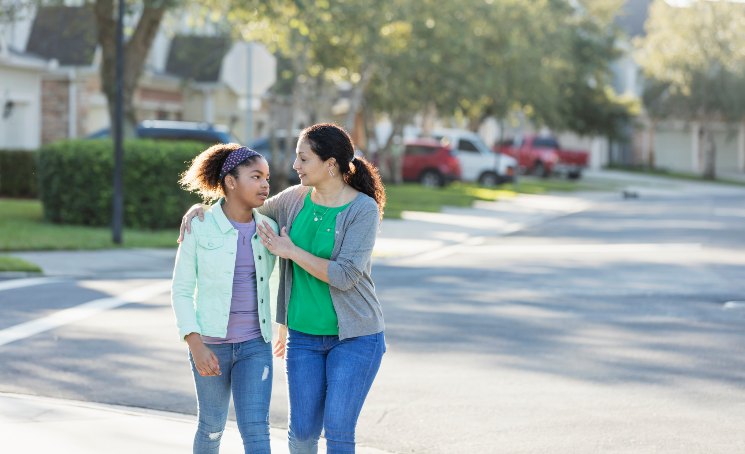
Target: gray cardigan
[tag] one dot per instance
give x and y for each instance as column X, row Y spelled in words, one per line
column 352, row 289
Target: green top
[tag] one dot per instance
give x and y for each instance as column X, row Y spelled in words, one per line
column 311, row 310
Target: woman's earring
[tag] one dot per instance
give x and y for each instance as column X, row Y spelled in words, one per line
column 330, row 172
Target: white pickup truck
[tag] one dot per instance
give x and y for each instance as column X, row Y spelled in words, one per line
column 478, row 163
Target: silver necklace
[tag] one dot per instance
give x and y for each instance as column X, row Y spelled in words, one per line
column 319, row 217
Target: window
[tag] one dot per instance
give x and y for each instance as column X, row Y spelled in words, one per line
column 467, row 146
column 545, row 142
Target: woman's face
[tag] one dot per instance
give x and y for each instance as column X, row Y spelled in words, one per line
column 251, row 187
column 309, row 166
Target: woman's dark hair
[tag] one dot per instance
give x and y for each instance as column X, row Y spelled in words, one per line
column 203, row 175
column 331, row 141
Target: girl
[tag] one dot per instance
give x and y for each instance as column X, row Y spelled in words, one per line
column 220, row 296
column 331, row 322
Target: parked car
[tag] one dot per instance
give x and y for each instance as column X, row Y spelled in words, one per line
column 429, row 162
column 542, row 156
column 477, row 162
column 176, row 130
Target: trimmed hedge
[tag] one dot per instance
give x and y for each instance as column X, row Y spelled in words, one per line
column 76, row 182
column 18, row 173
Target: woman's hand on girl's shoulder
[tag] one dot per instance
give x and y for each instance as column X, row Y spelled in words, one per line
column 195, row 210
column 278, row 244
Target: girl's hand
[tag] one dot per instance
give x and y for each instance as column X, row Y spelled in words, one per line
column 280, row 245
column 195, row 210
column 280, row 346
column 204, row 359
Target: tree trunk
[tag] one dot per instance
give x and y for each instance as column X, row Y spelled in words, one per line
column 710, row 149
column 355, row 101
column 136, row 50
column 428, row 119
column 389, row 163
column 370, row 132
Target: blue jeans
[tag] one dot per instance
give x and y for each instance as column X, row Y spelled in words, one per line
column 246, row 370
column 328, row 381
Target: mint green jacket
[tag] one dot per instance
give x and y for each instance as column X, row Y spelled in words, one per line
column 202, row 286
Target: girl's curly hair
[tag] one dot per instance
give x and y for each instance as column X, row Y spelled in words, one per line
column 203, row 174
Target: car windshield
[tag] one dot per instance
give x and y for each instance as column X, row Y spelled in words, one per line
column 545, row 142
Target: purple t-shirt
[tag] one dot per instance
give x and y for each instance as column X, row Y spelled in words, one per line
column 243, row 323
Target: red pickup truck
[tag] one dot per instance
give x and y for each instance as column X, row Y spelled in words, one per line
column 542, row 155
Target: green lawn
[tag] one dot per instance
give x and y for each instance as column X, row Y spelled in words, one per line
column 8, row 263
column 23, row 229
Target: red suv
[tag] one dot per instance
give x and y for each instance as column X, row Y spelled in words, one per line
column 429, row 162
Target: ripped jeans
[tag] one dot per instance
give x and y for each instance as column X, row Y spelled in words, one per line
column 246, row 371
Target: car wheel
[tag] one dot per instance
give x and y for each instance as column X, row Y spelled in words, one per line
column 574, row 175
column 489, row 179
column 432, row 178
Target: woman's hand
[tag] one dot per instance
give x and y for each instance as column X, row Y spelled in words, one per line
column 280, row 245
column 204, row 359
column 195, row 210
column 280, row 346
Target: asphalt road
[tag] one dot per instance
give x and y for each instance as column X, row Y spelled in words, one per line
column 605, row 331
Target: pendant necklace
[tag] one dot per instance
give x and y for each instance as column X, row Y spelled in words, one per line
column 243, row 235
column 319, row 217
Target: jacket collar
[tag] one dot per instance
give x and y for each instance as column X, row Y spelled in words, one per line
column 222, row 220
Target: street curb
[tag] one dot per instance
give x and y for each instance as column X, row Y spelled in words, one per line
column 20, row 274
column 278, row 434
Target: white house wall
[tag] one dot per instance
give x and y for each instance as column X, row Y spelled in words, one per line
column 21, row 129
column 674, row 147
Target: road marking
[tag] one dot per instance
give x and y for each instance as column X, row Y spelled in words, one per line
column 19, row 283
column 80, row 312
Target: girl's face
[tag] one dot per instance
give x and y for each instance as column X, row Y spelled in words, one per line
column 309, row 166
column 251, row 188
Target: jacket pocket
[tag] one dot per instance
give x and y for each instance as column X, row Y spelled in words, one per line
column 210, row 242
column 212, row 261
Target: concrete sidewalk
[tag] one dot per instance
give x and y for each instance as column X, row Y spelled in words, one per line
column 31, row 425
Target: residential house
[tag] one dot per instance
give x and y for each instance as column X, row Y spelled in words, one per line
column 186, row 77
column 672, row 144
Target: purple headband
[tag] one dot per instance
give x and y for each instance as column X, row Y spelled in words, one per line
column 235, row 158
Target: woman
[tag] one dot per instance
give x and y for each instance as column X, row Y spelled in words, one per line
column 331, row 322
column 220, row 296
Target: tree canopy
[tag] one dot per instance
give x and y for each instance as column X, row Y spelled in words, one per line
column 694, row 59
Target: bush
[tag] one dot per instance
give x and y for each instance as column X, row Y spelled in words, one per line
column 75, row 178
column 18, row 173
